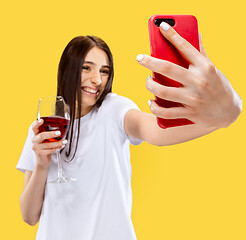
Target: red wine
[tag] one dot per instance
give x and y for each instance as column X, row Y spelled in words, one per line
column 54, row 124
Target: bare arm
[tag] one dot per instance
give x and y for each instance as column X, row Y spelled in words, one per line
column 143, row 126
column 31, row 200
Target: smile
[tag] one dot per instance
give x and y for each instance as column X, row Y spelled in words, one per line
column 90, row 91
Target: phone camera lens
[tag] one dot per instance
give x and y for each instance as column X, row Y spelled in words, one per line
column 170, row 21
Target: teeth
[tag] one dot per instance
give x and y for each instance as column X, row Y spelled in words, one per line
column 90, row 90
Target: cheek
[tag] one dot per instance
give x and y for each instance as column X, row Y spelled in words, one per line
column 83, row 78
column 104, row 81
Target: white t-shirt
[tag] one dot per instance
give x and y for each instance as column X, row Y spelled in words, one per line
column 98, row 205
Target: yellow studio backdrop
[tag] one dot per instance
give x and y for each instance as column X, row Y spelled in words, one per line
column 194, row 190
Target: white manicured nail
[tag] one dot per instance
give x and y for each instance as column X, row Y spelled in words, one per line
column 140, row 57
column 164, row 26
column 149, row 102
column 40, row 120
column 57, row 133
column 63, row 146
column 64, row 142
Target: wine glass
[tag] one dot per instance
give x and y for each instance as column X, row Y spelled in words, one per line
column 55, row 114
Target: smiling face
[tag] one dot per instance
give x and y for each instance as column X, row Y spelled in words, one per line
column 94, row 77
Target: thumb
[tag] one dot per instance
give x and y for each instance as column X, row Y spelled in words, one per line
column 202, row 50
column 36, row 124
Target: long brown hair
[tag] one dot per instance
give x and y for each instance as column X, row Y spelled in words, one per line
column 69, row 78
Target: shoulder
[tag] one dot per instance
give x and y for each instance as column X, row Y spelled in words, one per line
column 114, row 107
column 118, row 101
column 112, row 97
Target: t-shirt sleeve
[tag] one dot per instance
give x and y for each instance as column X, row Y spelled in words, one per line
column 124, row 105
column 28, row 158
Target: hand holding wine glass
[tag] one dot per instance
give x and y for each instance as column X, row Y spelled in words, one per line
column 50, row 130
column 45, row 150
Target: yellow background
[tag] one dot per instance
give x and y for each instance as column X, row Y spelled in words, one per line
column 194, row 190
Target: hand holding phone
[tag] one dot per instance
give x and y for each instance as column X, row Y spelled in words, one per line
column 202, row 93
column 186, row 26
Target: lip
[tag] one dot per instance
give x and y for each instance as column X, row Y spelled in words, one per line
column 88, row 93
column 93, row 88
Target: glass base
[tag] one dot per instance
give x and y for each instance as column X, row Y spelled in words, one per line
column 63, row 180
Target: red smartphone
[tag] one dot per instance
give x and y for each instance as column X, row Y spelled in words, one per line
column 186, row 26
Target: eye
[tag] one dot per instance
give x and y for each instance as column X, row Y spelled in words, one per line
column 105, row 72
column 86, row 67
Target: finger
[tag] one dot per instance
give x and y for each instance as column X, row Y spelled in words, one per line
column 51, row 145
column 202, row 50
column 47, row 152
column 190, row 53
column 46, row 135
column 166, row 68
column 168, row 93
column 168, row 113
column 36, row 124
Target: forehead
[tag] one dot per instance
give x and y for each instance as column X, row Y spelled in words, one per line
column 97, row 56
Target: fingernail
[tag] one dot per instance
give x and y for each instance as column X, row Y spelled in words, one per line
column 63, row 146
column 140, row 57
column 164, row 26
column 149, row 102
column 57, row 133
column 147, row 78
column 64, row 142
column 40, row 120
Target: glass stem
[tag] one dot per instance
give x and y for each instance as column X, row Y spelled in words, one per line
column 60, row 169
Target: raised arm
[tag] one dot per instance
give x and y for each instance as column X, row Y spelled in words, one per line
column 143, row 126
column 207, row 97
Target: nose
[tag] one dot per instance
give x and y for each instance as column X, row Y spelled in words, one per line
column 96, row 78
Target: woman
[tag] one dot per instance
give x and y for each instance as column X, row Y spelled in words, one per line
column 103, row 124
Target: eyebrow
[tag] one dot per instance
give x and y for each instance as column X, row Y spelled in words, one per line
column 92, row 63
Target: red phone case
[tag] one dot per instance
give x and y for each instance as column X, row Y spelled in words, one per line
column 187, row 27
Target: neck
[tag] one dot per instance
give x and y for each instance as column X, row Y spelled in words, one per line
column 84, row 110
